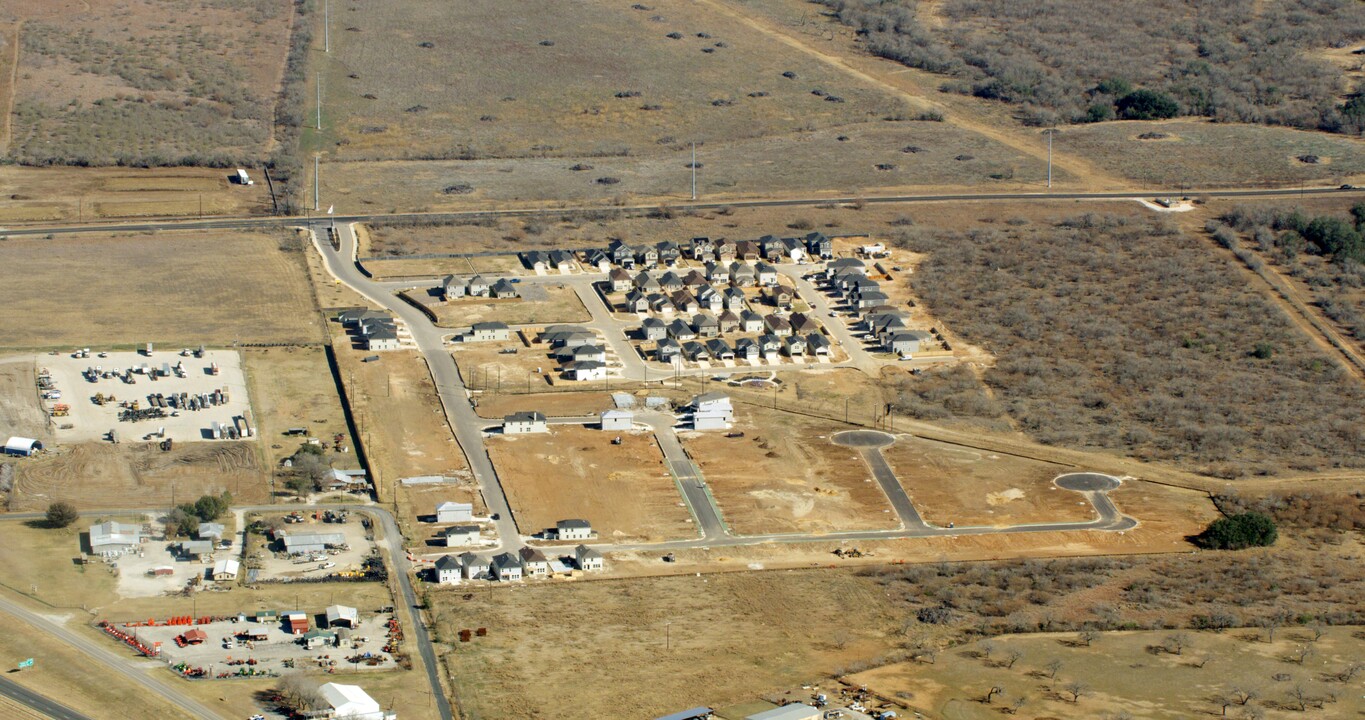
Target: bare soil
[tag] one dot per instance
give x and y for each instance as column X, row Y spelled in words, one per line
column 551, row 304
column 624, row 490
column 293, row 387
column 20, row 411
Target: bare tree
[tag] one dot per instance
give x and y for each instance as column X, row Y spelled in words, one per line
column 1302, row 653
column 1012, row 657
column 1076, row 689
column 924, row 652
column 1087, row 637
column 1251, row 712
column 990, row 694
column 1242, row 696
column 1271, row 624
column 1053, row 666
column 1349, row 672
column 1015, row 703
column 1175, row 644
column 299, row 693
column 987, row 648
column 841, row 638
column 1223, row 701
column 1318, row 631
column 1300, row 695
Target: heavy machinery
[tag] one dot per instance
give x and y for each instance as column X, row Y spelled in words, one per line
column 61, row 410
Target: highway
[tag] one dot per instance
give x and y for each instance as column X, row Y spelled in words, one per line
column 39, row 703
column 239, row 223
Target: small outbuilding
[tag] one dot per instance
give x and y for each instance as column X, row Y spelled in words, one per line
column 22, row 446
column 617, row 420
column 453, row 512
column 342, row 616
column 226, row 570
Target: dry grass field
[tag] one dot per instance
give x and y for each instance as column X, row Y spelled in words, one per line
column 552, row 404
column 656, row 644
column 145, row 83
column 785, row 476
column 545, row 81
column 136, row 474
column 174, row 288
column 292, row 387
column 1214, row 155
column 20, row 411
column 1132, row 672
column 624, row 490
column 879, row 158
column 542, row 304
column 69, row 194
column 973, row 487
column 398, row 415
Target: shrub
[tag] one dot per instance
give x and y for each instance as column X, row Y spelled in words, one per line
column 1237, row 532
column 1147, row 105
column 61, row 514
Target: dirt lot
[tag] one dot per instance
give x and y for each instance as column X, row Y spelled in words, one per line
column 20, row 411
column 74, row 194
column 417, row 506
column 179, row 289
column 99, row 84
column 754, row 631
column 138, row 474
column 971, row 487
column 575, row 472
column 540, row 304
column 293, row 387
column 398, row 417
column 552, row 404
column 785, row 475
column 484, row 366
column 1129, row 671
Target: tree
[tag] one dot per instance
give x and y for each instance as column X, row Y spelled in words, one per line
column 1088, row 636
column 1015, row 703
column 61, row 514
column 300, row 484
column 1147, row 105
column 1175, row 644
column 1242, row 696
column 299, row 694
column 1237, row 532
column 1336, row 237
column 181, row 522
column 1012, row 657
column 1076, row 689
column 990, row 694
column 1053, row 667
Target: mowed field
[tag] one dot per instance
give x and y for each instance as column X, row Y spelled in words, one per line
column 624, row 491
column 293, row 387
column 32, row 194
column 173, row 288
column 142, row 81
column 785, row 476
column 975, row 487
column 1132, row 672
column 657, row 644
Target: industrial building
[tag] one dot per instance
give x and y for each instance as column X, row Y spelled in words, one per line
column 352, row 703
column 312, row 542
column 109, row 539
column 22, row 446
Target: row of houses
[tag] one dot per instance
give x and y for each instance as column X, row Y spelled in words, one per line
column 454, row 287
column 703, row 249
column 703, row 325
column 580, row 353
column 735, row 274
column 767, row 346
column 528, row 562
column 378, row 330
column 545, row 260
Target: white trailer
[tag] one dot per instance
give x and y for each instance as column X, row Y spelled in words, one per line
column 243, row 178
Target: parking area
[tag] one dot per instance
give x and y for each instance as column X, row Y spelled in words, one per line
column 263, row 644
column 328, row 548
column 176, row 395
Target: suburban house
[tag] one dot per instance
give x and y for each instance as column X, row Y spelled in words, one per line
column 617, row 420
column 226, row 570
column 382, row 338
column 474, row 566
column 769, row 344
column 573, row 530
column 461, row 535
column 713, row 272
column 647, row 283
column 619, row 280
column 702, row 248
column 453, row 512
column 712, row 411
column 728, row 322
column 352, row 703
column 706, row 325
column 452, row 288
column 567, row 336
column 847, row 263
column 355, row 316
column 523, row 423
column 818, row 344
column 342, row 616
column 751, row 321
column 719, row 349
column 536, row 260
column 647, row 256
column 588, row 370
column 695, row 351
column 109, row 539
column 794, row 249
column 598, row 259
column 533, row 562
column 794, row 346
column 561, row 259
column 746, row 349
column 746, row 251
column 778, row 325
column 803, row 324
column 595, row 353
column 872, row 298
column 477, row 286
column 743, row 275
column 636, row 302
column 489, row 331
column 653, row 329
column 319, row 638
column 667, row 350
column 659, row 302
column 670, row 282
column 770, row 247
column 506, row 567
column 668, row 251
column 680, row 330
column 767, row 274
column 695, row 279
column 587, row 558
column 711, row 298
column 621, row 253
column 907, row 342
column 778, row 296
column 725, row 251
column 819, row 245
column 503, row 289
column 448, row 570
column 684, row 301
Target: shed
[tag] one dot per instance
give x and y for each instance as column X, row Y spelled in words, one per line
column 194, row 636
column 22, row 446
column 696, row 713
column 226, row 570
column 617, row 420
column 342, row 616
column 453, row 512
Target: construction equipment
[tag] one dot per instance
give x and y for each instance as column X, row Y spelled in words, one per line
column 61, row 410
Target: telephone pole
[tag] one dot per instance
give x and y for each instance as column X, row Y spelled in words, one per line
column 1050, row 133
column 694, row 169
column 315, row 183
column 327, row 26
column 319, row 101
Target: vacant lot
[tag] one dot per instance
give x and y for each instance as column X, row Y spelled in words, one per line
column 755, row 631
column 540, row 304
column 576, row 472
column 1136, row 338
column 293, row 387
column 20, row 411
column 588, row 79
column 75, row 194
column 181, row 289
column 878, row 158
column 142, row 83
column 100, row 475
column 1203, row 154
column 1133, row 672
column 974, row 487
column 785, row 475
column 398, row 416
column 554, row 404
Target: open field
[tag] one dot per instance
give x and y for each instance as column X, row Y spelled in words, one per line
column 399, row 417
column 483, row 366
column 138, row 474
column 540, row 304
column 293, row 387
column 181, row 289
column 1153, row 352
column 20, row 411
column 754, row 631
column 1133, row 672
column 785, row 475
column 103, row 85
column 1206, row 154
column 552, row 404
column 971, row 487
column 546, row 82
column 870, row 158
column 624, row 490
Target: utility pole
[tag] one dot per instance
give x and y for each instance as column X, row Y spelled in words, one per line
column 315, row 183
column 1050, row 133
column 319, row 76
column 327, row 26
column 694, row 169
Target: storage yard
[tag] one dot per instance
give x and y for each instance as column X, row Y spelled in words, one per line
column 177, row 395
